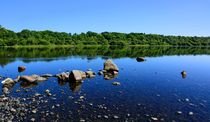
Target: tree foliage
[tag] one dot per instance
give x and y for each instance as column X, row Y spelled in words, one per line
column 47, row 37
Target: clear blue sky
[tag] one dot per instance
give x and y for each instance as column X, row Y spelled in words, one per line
column 169, row 17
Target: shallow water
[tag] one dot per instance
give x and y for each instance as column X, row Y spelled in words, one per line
column 149, row 90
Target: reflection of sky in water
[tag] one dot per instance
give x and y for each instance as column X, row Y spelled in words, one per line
column 155, row 84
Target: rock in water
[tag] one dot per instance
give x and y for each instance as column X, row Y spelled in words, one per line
column 77, row 75
column 8, row 81
column 46, row 75
column 21, row 68
column 116, row 83
column 63, row 76
column 28, row 78
column 90, row 74
column 109, row 65
column 184, row 74
column 140, row 59
column 38, row 78
column 5, row 90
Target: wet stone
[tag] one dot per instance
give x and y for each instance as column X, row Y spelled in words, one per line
column 190, row 113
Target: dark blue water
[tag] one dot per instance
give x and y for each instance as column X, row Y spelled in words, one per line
column 153, row 90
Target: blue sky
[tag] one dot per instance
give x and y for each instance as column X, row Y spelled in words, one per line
column 169, row 17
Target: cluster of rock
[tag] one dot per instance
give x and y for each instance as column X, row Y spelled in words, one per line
column 109, row 71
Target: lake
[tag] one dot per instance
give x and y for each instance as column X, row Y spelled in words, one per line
column 152, row 90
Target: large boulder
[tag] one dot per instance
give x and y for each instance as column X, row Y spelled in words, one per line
column 109, row 65
column 33, row 78
column 77, row 75
column 8, row 81
column 26, row 78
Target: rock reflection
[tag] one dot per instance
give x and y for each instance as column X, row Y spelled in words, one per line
column 75, row 87
column 62, row 82
column 110, row 75
column 28, row 84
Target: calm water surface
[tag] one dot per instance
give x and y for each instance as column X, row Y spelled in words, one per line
column 149, row 90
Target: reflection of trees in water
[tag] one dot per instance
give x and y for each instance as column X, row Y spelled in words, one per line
column 7, row 55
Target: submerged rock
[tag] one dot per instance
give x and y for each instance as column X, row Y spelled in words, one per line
column 140, row 59
column 77, row 76
column 109, row 65
column 116, row 83
column 21, row 68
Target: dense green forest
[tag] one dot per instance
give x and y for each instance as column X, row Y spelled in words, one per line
column 29, row 37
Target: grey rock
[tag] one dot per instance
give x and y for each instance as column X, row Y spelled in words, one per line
column 90, row 74
column 46, row 75
column 116, row 83
column 77, row 75
column 109, row 65
column 8, row 81
column 26, row 78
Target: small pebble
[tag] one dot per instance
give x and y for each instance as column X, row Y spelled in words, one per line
column 32, row 119
column 154, row 118
column 116, row 117
column 191, row 113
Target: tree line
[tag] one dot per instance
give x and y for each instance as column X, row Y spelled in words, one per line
column 47, row 37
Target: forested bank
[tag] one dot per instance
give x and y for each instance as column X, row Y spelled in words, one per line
column 30, row 37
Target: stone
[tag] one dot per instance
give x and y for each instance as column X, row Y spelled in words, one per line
column 109, row 65
column 184, row 74
column 13, row 110
column 116, row 117
column 179, row 112
column 7, row 81
column 154, row 118
column 38, row 78
column 21, row 68
column 63, row 76
column 26, row 78
column 140, row 59
column 90, row 74
column 100, row 73
column 77, row 76
column 47, row 75
column 47, row 91
column 5, row 90
column 116, row 83
column 32, row 119
column 190, row 113
column 34, row 111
